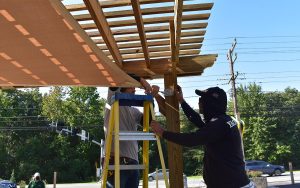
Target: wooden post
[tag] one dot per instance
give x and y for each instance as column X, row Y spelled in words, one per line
column 54, row 180
column 173, row 124
column 156, row 178
column 291, row 172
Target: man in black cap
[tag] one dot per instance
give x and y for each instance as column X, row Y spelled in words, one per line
column 224, row 166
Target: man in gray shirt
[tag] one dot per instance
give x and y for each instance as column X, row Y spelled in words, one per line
column 130, row 117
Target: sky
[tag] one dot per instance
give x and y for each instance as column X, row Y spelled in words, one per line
column 268, row 46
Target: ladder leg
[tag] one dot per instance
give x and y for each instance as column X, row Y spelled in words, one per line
column 108, row 144
column 162, row 161
column 117, row 144
column 146, row 144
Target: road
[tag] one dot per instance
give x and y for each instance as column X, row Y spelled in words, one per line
column 273, row 182
column 284, row 179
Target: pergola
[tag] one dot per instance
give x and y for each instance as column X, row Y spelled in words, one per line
column 96, row 43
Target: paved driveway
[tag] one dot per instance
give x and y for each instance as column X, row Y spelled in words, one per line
column 283, row 181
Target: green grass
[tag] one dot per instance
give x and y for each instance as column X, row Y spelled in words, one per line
column 194, row 177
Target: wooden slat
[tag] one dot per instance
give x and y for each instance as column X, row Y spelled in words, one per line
column 156, row 43
column 156, row 20
column 140, row 26
column 153, row 36
column 113, row 3
column 158, row 54
column 177, row 26
column 150, row 29
column 148, row 11
column 102, row 25
column 154, row 49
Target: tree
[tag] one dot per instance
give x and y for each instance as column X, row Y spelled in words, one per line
column 267, row 116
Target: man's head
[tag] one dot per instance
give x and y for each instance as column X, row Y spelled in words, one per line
column 212, row 101
column 36, row 176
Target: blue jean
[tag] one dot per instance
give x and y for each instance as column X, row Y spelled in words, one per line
column 128, row 178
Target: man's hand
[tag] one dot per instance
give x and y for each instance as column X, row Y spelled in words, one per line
column 178, row 94
column 155, row 90
column 156, row 128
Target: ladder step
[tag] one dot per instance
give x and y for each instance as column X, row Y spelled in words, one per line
column 128, row 167
column 136, row 136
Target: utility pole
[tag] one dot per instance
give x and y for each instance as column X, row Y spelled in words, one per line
column 232, row 80
column 234, row 97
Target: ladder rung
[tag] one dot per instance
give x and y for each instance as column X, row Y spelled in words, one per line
column 128, row 167
column 136, row 136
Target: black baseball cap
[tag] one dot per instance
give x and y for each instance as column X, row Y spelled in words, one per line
column 217, row 94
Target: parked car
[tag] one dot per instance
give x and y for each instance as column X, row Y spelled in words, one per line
column 7, row 184
column 264, row 167
column 160, row 175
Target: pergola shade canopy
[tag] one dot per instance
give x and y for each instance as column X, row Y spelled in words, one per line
column 39, row 47
column 96, row 43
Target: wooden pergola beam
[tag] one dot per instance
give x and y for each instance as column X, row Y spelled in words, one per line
column 155, row 49
column 148, row 11
column 130, row 38
column 155, row 20
column 140, row 26
column 150, row 29
column 190, row 65
column 113, row 3
column 155, row 43
column 172, row 110
column 101, row 23
column 159, row 54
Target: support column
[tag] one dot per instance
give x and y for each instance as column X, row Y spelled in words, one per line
column 173, row 124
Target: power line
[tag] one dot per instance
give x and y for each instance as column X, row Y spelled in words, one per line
column 261, row 48
column 247, row 43
column 253, row 37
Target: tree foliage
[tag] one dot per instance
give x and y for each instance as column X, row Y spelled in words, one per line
column 28, row 144
column 272, row 123
column 41, row 150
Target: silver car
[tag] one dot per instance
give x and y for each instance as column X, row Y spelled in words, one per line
column 160, row 175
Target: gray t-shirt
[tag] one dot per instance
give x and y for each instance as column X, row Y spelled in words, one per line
column 130, row 117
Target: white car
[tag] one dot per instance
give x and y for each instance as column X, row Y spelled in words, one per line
column 160, row 175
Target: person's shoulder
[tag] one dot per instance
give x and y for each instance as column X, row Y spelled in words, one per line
column 41, row 183
column 217, row 119
column 229, row 121
column 223, row 119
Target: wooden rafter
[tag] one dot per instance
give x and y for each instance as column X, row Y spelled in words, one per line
column 102, row 25
column 155, row 20
column 177, row 32
column 114, row 3
column 140, row 26
column 155, row 49
column 149, row 29
column 152, row 37
column 149, row 11
column 159, row 54
column 155, row 43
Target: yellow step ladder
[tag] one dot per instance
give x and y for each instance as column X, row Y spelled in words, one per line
column 124, row 99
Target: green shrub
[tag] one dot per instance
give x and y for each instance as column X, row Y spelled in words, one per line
column 12, row 176
column 22, row 184
column 252, row 173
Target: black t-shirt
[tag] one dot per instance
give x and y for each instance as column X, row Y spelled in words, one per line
column 224, row 166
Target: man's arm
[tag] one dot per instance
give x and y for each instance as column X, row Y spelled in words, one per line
column 190, row 113
column 146, row 86
column 212, row 133
column 159, row 99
